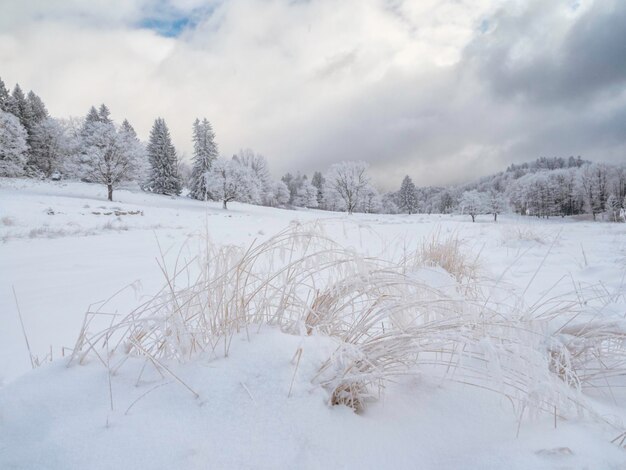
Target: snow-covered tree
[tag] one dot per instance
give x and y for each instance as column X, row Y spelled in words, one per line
column 163, row 175
column 594, row 183
column 388, row 204
column 257, row 163
column 613, row 205
column 346, row 181
column 18, row 106
column 204, row 154
column 495, row 203
column 49, row 146
column 4, row 96
column 306, row 195
column 111, row 156
column 370, row 201
column 12, row 145
column 318, row 182
column 229, row 180
column 473, row 203
column 279, row 197
column 38, row 111
column 407, row 196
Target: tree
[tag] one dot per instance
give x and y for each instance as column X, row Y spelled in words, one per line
column 262, row 178
column 229, row 180
column 48, row 147
column 18, row 106
column 370, row 202
column 163, row 177
column 473, row 203
column 347, row 181
column 593, row 180
column 38, row 111
column 318, row 182
column 12, row 145
column 4, row 96
column 279, row 196
column 613, row 205
column 407, row 196
column 306, row 195
column 204, row 154
column 495, row 203
column 111, row 156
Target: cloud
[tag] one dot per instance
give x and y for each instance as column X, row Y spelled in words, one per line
column 443, row 91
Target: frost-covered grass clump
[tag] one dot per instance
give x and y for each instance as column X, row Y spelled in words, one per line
column 386, row 317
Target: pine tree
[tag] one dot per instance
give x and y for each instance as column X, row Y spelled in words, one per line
column 204, row 154
column 18, row 106
column 12, row 145
column 38, row 111
column 48, row 145
column 164, row 177
column 104, row 114
column 318, row 182
column 407, row 196
column 4, row 96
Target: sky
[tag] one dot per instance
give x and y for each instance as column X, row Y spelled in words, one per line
column 444, row 91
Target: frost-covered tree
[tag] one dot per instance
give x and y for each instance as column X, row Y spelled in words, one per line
column 111, row 156
column 495, row 203
column 38, row 111
column 370, row 201
column 163, row 175
column 204, row 154
column 49, row 146
column 388, row 204
column 18, row 106
column 613, row 205
column 346, row 181
column 229, row 180
column 257, row 163
column 138, row 151
column 4, row 96
column 104, row 115
column 473, row 203
column 12, row 145
column 306, row 195
column 279, row 196
column 407, row 196
column 318, row 182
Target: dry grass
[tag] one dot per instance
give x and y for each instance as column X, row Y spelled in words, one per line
column 449, row 253
column 386, row 323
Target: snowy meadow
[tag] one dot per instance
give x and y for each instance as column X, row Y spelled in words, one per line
column 167, row 332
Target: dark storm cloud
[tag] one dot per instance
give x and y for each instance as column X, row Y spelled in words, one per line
column 530, row 55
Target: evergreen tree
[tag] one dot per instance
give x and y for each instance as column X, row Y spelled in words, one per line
column 407, row 196
column 12, row 145
column 38, row 111
column 4, row 97
column 104, row 114
column 163, row 177
column 204, row 154
column 18, row 106
column 48, row 147
column 318, row 182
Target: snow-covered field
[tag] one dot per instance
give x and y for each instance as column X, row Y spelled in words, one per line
column 64, row 250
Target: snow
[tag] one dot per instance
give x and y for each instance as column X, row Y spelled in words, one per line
column 63, row 249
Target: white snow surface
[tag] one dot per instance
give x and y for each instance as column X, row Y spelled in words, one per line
column 63, row 247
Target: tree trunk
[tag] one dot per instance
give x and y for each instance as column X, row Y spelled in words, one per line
column 495, row 216
column 224, row 205
column 110, row 191
column 473, row 217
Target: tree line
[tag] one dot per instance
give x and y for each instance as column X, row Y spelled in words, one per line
column 95, row 149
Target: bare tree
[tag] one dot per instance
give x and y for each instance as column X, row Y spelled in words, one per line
column 347, row 181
